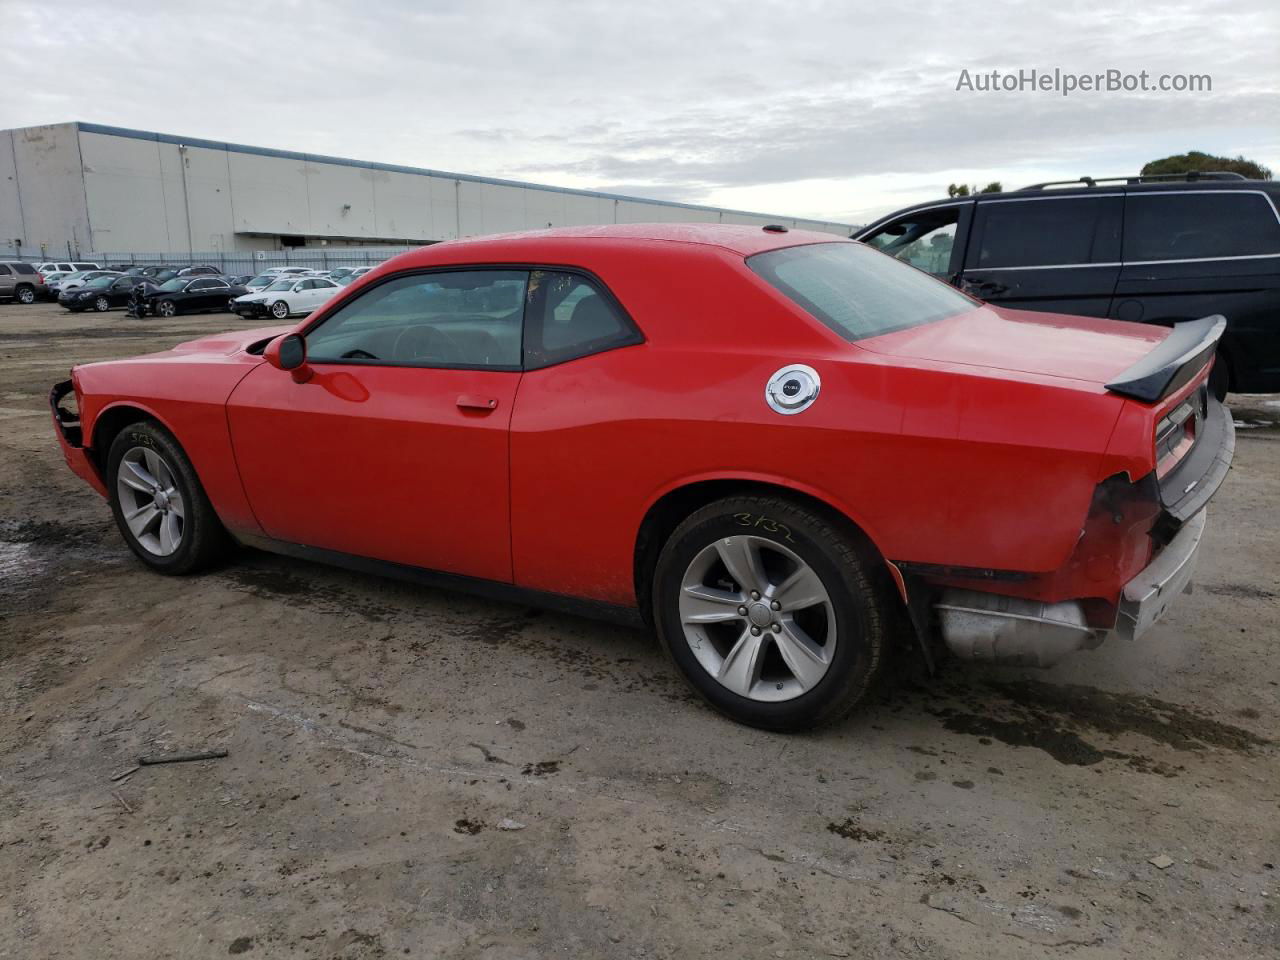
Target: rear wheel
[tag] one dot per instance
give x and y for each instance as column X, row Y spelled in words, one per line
column 158, row 503
column 771, row 612
column 25, row 294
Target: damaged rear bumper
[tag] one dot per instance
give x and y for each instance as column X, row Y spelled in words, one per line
column 986, row 626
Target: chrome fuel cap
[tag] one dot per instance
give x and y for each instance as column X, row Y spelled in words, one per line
column 792, row 389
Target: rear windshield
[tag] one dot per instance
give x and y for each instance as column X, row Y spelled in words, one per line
column 857, row 291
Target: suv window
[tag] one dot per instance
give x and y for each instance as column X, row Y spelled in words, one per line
column 461, row 318
column 856, row 291
column 1058, row 231
column 5, row 271
column 81, row 266
column 924, row 239
column 569, row 317
column 1191, row 226
column 23, row 268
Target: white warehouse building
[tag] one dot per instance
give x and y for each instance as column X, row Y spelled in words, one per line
column 72, row 189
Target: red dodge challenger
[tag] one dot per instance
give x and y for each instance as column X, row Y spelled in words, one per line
column 784, row 451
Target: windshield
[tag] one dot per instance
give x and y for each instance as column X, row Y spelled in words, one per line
column 99, row 282
column 856, row 291
column 282, row 285
column 177, row 283
column 262, row 281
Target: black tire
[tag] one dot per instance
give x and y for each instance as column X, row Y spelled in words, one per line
column 857, row 589
column 25, row 294
column 102, row 304
column 280, row 310
column 203, row 540
column 166, row 309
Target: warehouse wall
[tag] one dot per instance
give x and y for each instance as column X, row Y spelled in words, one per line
column 150, row 193
column 43, row 200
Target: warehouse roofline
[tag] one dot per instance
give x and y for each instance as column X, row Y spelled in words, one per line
column 421, row 171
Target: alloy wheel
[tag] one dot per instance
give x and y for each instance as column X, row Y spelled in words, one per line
column 166, row 308
column 102, row 304
column 758, row 618
column 150, row 501
column 26, row 295
column 280, row 309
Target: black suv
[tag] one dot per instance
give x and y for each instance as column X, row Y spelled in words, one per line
column 1149, row 249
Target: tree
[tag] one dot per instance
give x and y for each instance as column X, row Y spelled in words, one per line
column 1204, row 163
column 964, row 190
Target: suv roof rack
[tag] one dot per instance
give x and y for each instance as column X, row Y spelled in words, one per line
column 1190, row 175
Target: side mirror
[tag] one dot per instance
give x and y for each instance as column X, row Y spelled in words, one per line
column 289, row 353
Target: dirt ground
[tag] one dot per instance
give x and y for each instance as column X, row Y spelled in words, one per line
column 424, row 774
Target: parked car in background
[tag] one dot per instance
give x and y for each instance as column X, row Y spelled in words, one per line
column 291, row 271
column 287, row 297
column 74, row 281
column 239, row 279
column 878, row 455
column 201, row 270
column 66, row 266
column 1159, row 250
column 260, row 282
column 190, row 295
column 101, row 293
column 21, row 281
column 339, row 273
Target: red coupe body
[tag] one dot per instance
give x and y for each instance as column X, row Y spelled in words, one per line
column 970, row 451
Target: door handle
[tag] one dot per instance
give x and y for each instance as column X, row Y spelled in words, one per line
column 470, row 401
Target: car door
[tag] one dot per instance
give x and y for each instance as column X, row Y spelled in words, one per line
column 929, row 238
column 1193, row 253
column 396, row 447
column 1060, row 254
column 119, row 292
column 8, row 285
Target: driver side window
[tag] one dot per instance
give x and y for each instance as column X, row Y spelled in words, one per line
column 460, row 318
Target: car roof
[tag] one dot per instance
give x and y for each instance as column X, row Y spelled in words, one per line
column 1099, row 188
column 737, row 238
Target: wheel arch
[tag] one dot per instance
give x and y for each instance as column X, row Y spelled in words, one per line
column 672, row 506
column 111, row 420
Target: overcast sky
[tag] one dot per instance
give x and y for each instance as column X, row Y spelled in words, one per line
column 835, row 110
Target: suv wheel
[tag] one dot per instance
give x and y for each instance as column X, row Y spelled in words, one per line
column 771, row 613
column 25, row 294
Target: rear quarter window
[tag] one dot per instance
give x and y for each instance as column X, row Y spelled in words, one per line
column 855, row 290
column 23, row 268
column 1199, row 226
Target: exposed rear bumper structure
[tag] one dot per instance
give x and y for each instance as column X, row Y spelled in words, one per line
column 999, row 629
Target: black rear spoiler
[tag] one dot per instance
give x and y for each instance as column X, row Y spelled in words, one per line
column 1174, row 361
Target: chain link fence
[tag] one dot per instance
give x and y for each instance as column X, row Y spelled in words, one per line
column 242, row 262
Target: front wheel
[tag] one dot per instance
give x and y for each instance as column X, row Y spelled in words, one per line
column 166, row 308
column 771, row 612
column 102, row 304
column 158, row 503
column 280, row 310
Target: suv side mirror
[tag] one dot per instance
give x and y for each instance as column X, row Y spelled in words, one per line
column 289, row 353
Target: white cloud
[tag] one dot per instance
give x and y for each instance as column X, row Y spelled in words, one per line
column 840, row 110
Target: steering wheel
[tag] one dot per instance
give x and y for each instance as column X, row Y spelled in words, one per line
column 423, row 342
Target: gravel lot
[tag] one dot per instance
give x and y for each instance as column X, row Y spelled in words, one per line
column 385, row 741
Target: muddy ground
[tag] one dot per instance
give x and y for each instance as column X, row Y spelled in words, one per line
column 384, row 740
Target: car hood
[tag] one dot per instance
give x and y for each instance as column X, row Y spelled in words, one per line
column 1022, row 341
column 223, row 344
